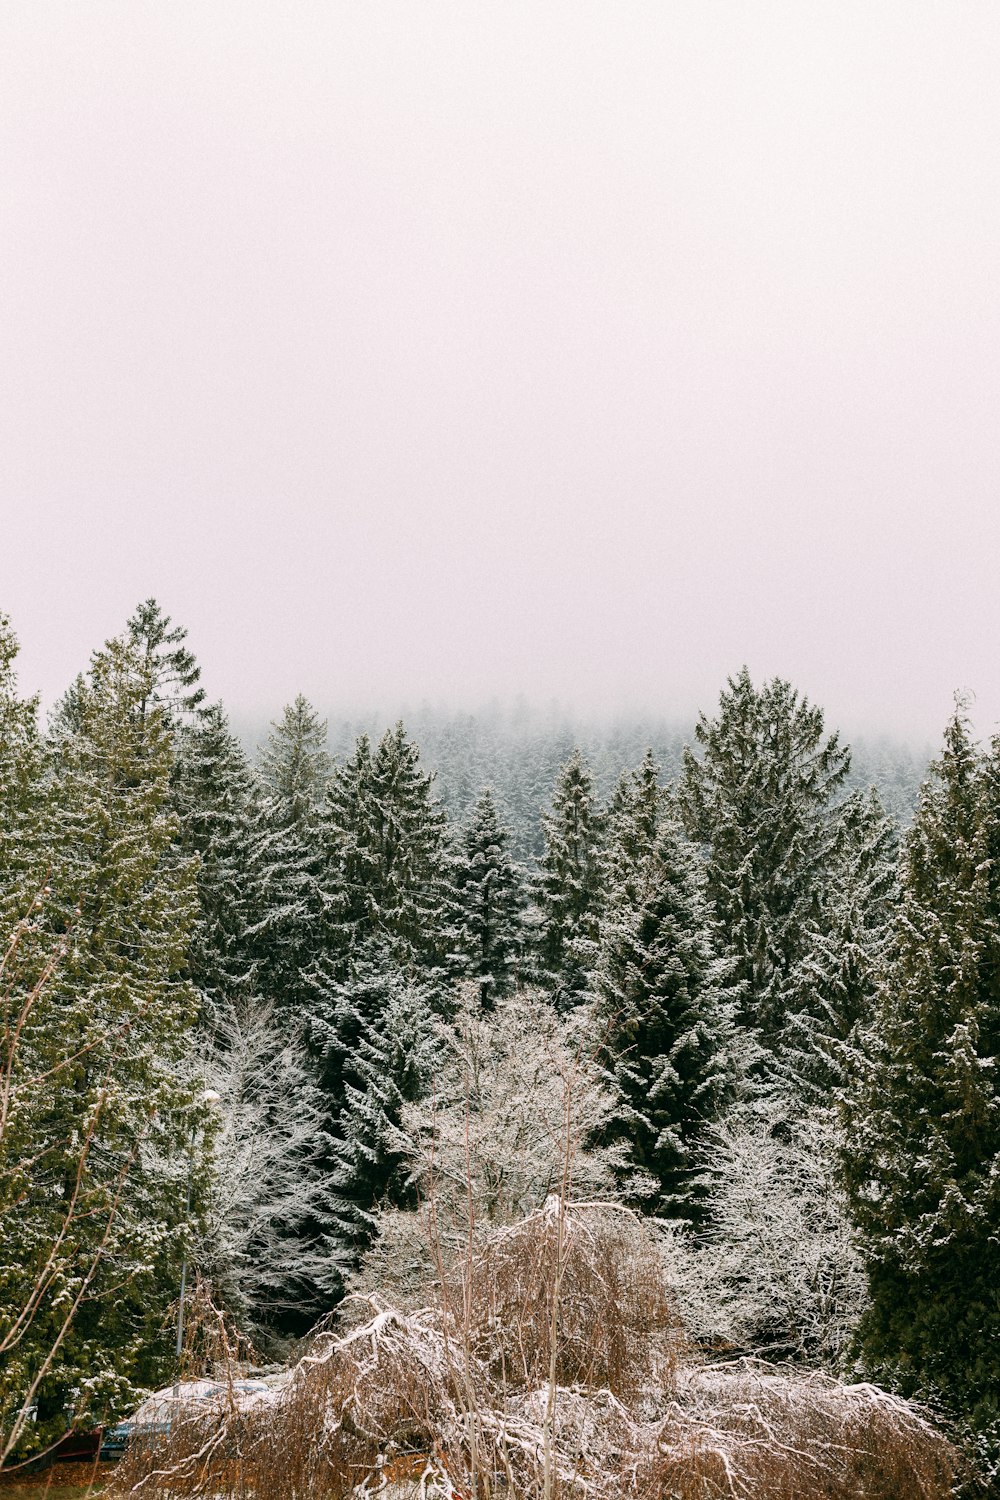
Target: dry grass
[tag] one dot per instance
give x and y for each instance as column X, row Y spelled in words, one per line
column 550, row 1367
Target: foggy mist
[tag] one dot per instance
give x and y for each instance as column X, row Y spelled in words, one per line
column 577, row 351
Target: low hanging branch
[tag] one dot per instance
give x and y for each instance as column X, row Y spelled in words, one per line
column 416, row 1401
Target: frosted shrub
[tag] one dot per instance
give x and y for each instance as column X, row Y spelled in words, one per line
column 550, row 1365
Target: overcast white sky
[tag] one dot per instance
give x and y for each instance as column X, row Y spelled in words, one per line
column 445, row 350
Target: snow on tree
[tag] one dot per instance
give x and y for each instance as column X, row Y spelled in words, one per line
column 103, row 1053
column 664, row 1017
column 775, row 1271
column 848, row 948
column 634, row 816
column 22, row 858
column 169, row 667
column 295, row 764
column 386, row 1035
column 802, row 880
column 506, row 1124
column 759, row 799
column 218, row 803
column 485, row 904
column 287, row 894
column 568, row 884
column 924, row 1116
column 386, row 852
column 268, row 1205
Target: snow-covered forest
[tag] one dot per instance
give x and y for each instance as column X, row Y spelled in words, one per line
column 269, row 1017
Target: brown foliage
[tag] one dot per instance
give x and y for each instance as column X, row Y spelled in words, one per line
column 472, row 1397
column 590, row 1266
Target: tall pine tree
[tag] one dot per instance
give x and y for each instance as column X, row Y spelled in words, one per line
column 924, row 1118
column 665, row 1018
column 485, row 904
column 287, row 894
column 568, row 885
column 380, row 1058
column 168, row 666
column 105, row 1055
column 220, row 812
column 760, row 800
column 633, row 821
column 386, row 852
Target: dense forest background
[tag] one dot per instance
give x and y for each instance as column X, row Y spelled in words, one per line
column 518, row 751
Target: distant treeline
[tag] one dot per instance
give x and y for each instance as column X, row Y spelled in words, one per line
column 518, row 752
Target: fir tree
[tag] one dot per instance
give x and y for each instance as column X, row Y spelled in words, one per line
column 633, row 822
column 387, row 853
column 167, row 665
column 295, row 763
column 219, row 807
column 381, row 1058
column 105, row 1051
column 760, row 801
column 848, row 947
column 287, row 891
column 22, row 856
column 266, row 1237
column 567, row 888
column 485, row 904
column 924, row 1118
column 664, row 1019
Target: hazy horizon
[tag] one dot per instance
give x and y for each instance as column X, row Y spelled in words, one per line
column 454, row 352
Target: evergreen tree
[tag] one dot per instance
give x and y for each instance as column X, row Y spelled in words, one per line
column 266, row 1239
column 259, row 950
column 664, row 1018
column 287, row 891
column 381, row 1057
column 22, row 857
column 924, row 1118
column 387, row 853
column 167, row 665
column 633, row 823
column 760, row 801
column 102, row 1059
column 485, row 904
column 567, row 888
column 219, row 807
column 847, row 949
column 295, row 764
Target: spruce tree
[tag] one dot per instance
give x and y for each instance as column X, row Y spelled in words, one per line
column 22, row 857
column 567, row 888
column 634, row 817
column 259, row 949
column 219, row 806
column 923, row 1120
column 287, row 892
column 295, row 763
column 848, row 946
column 166, row 663
column 386, row 853
column 266, row 1242
column 485, row 904
column 380, row 1058
column 760, row 800
column 104, row 1055
column 664, row 1019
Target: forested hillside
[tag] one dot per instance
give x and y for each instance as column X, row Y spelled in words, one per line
column 518, row 752
column 260, row 1011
